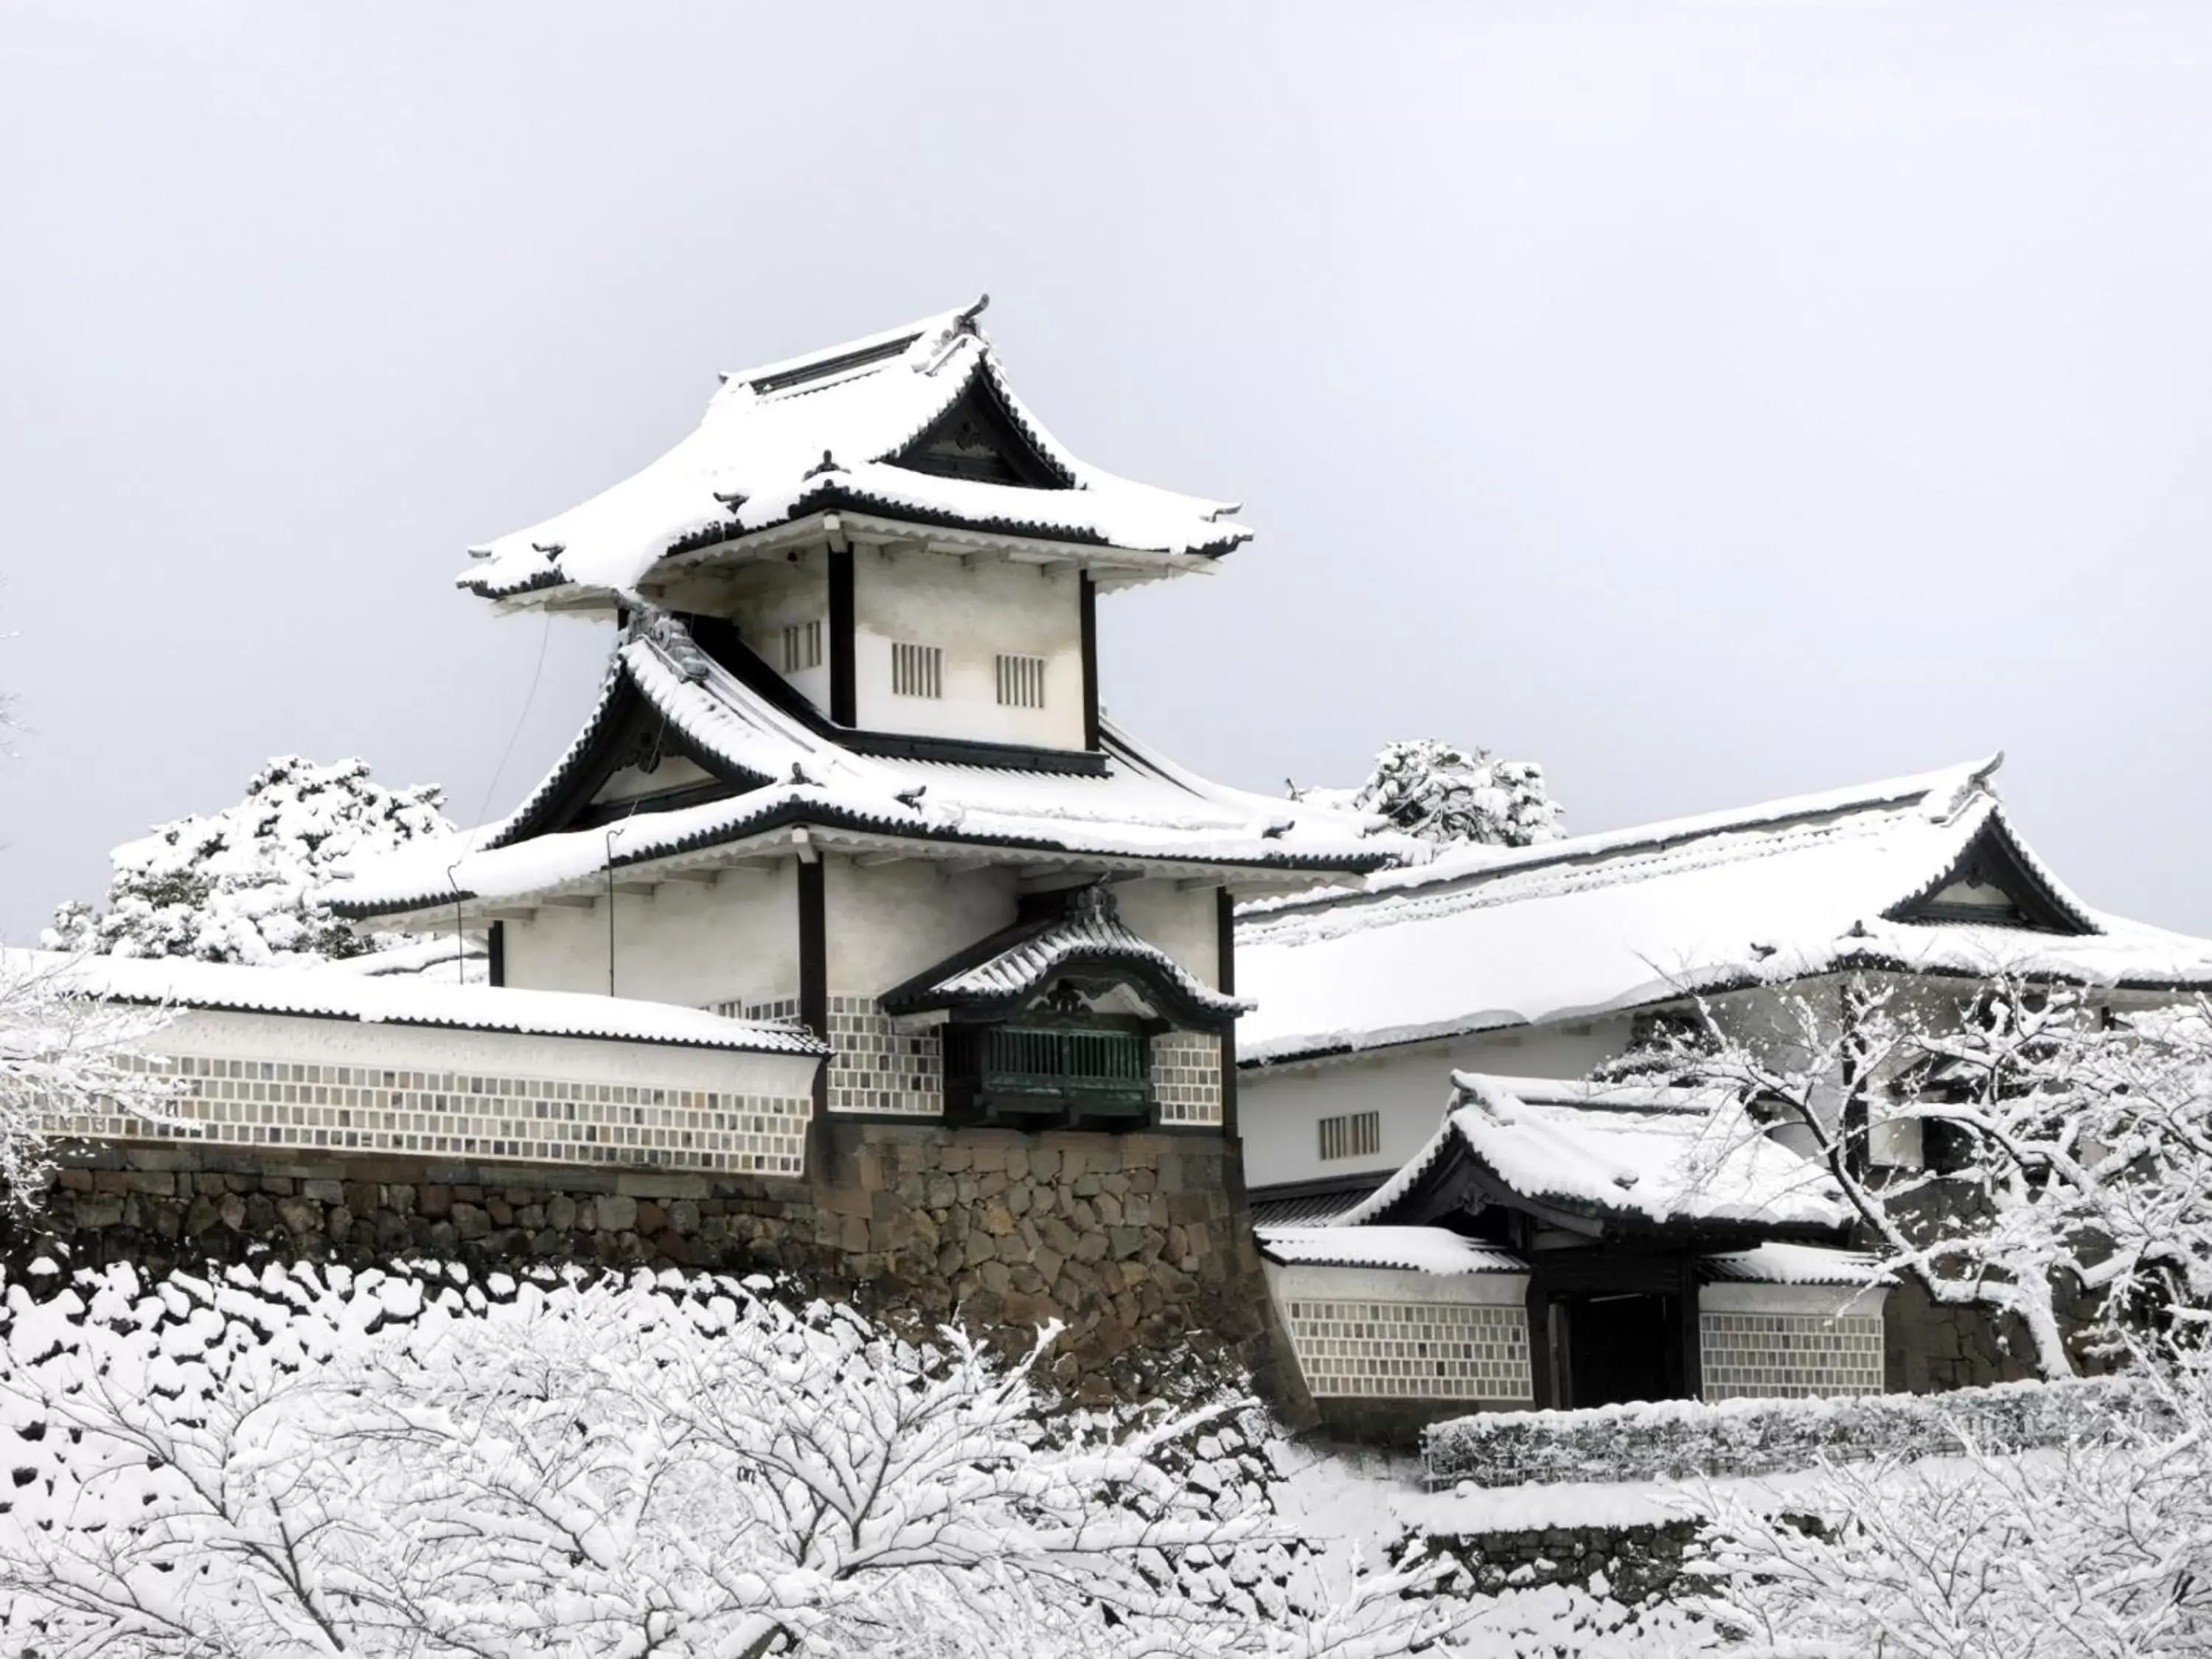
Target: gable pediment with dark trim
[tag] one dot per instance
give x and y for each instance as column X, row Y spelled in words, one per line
column 1993, row 883
column 1077, row 960
column 638, row 739
column 978, row 438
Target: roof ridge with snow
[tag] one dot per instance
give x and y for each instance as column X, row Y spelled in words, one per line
column 315, row 992
column 1578, row 930
column 829, row 430
column 999, row 970
column 1941, row 796
column 1568, row 1150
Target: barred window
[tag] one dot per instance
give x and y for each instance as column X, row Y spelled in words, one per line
column 802, row 647
column 917, row 671
column 1021, row 682
column 1356, row 1134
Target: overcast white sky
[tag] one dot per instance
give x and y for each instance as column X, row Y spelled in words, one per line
column 1710, row 402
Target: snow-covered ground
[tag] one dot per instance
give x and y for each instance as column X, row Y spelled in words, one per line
column 304, row 1461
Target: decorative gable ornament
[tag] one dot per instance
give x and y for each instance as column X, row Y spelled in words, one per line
column 1078, row 960
column 1996, row 882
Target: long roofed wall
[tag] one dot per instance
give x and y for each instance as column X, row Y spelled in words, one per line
column 331, row 1118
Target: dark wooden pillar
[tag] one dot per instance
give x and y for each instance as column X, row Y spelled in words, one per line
column 1225, row 969
column 495, row 953
column 1542, row 1384
column 1693, row 1367
column 844, row 696
column 1089, row 592
column 814, row 1001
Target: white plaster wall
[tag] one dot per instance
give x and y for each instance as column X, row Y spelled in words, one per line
column 925, row 598
column 1821, row 1301
column 763, row 596
column 1184, row 924
column 1280, row 1112
column 736, row 941
column 505, row 1053
column 1305, row 1280
column 673, row 772
column 1384, row 1334
column 887, row 922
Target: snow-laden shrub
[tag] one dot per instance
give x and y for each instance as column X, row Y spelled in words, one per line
column 1686, row 1439
column 242, row 884
column 61, row 1056
column 307, row 1460
column 2100, row 1546
column 1444, row 793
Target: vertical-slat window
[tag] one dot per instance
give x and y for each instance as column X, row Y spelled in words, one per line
column 802, row 647
column 1356, row 1134
column 917, row 671
column 1021, row 682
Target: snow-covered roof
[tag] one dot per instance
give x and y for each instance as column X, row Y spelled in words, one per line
column 1302, row 1204
column 1422, row 1249
column 1641, row 1155
column 1776, row 1262
column 1012, row 964
column 782, row 767
column 317, row 993
column 462, row 960
column 827, row 432
column 1489, row 938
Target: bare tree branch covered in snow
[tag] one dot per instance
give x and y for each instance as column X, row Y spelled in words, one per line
column 64, row 1053
column 242, row 884
column 2101, row 1549
column 1444, row 793
column 378, row 1464
column 2068, row 1155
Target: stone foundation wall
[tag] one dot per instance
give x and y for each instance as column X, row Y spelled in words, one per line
column 164, row 1205
column 1633, row 1564
column 1932, row 1349
column 1138, row 1243
column 1134, row 1243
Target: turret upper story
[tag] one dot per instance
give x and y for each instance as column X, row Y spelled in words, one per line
column 884, row 525
column 856, row 622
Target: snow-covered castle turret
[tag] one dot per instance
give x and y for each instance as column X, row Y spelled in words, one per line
column 849, row 768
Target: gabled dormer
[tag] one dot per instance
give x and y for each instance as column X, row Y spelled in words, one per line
column 980, row 438
column 1994, row 882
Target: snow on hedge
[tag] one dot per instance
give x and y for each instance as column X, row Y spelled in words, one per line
column 2100, row 1546
column 243, row 884
column 1686, row 1439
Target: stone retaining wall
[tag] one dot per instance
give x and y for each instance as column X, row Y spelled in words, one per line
column 1139, row 1243
column 1136, row 1243
column 1631, row 1564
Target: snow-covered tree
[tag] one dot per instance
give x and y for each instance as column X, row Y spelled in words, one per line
column 240, row 884
column 2066, row 1175
column 1444, row 793
column 313, row 1462
column 2099, row 1548
column 65, row 1053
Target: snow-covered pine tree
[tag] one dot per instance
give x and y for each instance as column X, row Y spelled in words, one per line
column 1447, row 794
column 240, row 885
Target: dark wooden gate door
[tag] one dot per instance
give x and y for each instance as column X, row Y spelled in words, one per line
column 1623, row 1347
